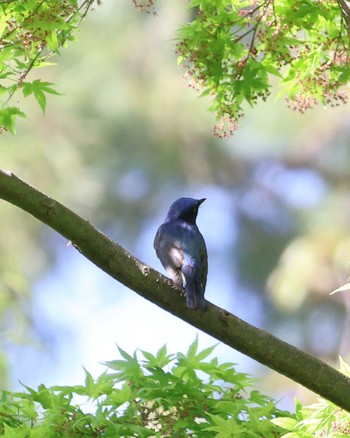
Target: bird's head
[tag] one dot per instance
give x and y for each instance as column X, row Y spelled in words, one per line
column 185, row 209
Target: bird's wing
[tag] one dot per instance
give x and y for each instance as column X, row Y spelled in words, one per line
column 170, row 252
column 168, row 246
column 204, row 262
column 178, row 243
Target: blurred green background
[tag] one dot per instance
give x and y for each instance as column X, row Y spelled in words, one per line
column 126, row 139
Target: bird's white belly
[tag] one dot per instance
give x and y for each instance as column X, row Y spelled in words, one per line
column 176, row 255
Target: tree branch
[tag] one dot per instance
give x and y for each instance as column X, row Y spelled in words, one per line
column 345, row 10
column 301, row 367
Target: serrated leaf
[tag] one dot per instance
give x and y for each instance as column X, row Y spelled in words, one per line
column 344, row 367
column 118, row 396
column 10, row 432
column 8, row 118
column 206, row 352
column 89, row 381
column 150, row 358
column 285, row 422
column 272, row 70
column 52, row 41
column 41, row 64
column 28, row 388
column 291, row 435
column 124, row 354
column 162, row 352
column 44, row 397
column 194, row 3
column 27, row 88
column 344, row 76
column 40, row 98
column 341, row 289
column 204, row 93
column 298, row 410
column 193, row 348
column 46, row 86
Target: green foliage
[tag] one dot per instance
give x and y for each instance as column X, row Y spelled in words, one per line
column 159, row 395
column 320, row 419
column 233, row 49
column 31, row 31
column 343, row 288
column 230, row 51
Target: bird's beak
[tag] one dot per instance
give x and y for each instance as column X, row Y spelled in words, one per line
column 200, row 201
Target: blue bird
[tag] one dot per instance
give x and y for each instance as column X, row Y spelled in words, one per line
column 181, row 249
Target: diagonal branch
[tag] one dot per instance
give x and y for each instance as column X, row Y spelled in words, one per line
column 301, row 367
column 345, row 11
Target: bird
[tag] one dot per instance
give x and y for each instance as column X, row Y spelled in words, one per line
column 181, row 248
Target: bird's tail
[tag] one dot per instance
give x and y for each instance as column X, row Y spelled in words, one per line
column 193, row 301
column 194, row 289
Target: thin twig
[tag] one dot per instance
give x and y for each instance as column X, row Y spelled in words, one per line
column 345, row 11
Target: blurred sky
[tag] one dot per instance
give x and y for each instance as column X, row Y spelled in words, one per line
column 79, row 312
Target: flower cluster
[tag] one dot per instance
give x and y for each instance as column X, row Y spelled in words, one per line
column 147, row 6
column 32, row 28
column 301, row 103
column 226, row 127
